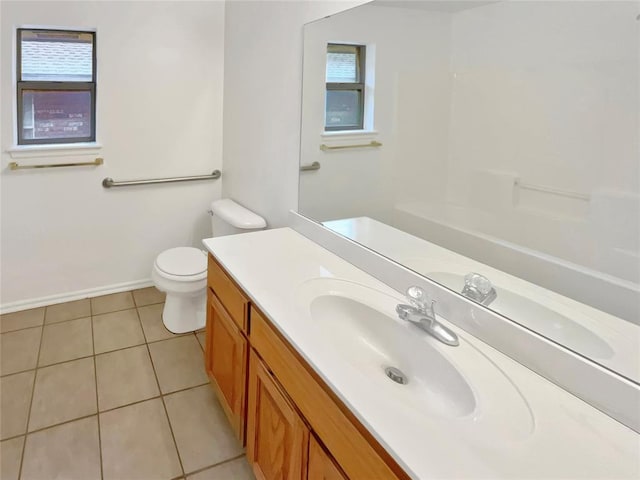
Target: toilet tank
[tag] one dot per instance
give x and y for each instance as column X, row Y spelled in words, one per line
column 229, row 218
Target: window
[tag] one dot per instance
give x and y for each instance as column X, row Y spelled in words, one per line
column 56, row 73
column 344, row 103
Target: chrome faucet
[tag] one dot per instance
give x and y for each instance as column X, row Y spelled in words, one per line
column 479, row 289
column 422, row 315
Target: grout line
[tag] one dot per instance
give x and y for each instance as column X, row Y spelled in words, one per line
column 18, row 372
column 147, row 304
column 114, row 311
column 216, row 464
column 45, row 324
column 121, row 348
column 95, row 378
column 41, row 367
column 48, row 427
column 164, row 405
column 155, row 397
column 33, row 391
column 13, row 437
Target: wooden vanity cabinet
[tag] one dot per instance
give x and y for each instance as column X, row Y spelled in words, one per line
column 277, row 438
column 294, row 426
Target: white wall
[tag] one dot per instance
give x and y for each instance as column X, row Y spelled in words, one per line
column 407, row 77
column 159, row 113
column 263, row 78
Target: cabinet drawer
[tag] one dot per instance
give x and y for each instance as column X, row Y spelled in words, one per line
column 353, row 447
column 236, row 303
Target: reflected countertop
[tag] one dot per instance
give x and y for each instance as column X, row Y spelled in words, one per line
column 602, row 337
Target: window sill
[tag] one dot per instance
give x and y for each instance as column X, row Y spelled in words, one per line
column 337, row 134
column 53, row 150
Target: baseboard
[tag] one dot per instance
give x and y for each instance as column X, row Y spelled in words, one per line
column 71, row 296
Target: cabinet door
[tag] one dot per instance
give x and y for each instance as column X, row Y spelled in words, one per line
column 226, row 363
column 321, row 465
column 277, row 438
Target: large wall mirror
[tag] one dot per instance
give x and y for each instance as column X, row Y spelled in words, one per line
column 493, row 147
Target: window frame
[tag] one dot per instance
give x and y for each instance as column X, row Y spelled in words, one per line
column 49, row 85
column 358, row 86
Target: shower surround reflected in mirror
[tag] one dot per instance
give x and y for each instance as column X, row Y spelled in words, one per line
column 507, row 146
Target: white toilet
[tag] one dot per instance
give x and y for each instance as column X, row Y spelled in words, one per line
column 182, row 272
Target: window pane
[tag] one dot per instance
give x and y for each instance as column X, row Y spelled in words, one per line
column 56, row 56
column 342, row 64
column 56, row 114
column 343, row 109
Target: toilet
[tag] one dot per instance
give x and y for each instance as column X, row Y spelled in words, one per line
column 181, row 272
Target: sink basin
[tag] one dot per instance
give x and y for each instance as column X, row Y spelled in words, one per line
column 402, row 365
column 371, row 339
column 537, row 317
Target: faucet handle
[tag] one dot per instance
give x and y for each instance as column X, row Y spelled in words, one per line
column 419, row 299
column 481, row 283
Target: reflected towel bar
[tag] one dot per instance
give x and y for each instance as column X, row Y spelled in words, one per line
column 109, row 182
column 555, row 191
column 372, row 143
column 95, row 163
column 312, row 166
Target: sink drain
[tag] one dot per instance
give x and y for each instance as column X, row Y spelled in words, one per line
column 396, row 375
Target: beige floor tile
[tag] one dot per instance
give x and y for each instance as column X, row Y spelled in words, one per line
column 201, row 429
column 202, row 338
column 116, row 330
column 69, row 451
column 148, row 296
column 151, row 318
column 178, row 363
column 19, row 350
column 10, row 456
column 237, row 469
column 124, row 377
column 15, row 394
column 63, row 392
column 68, row 311
column 20, row 320
column 112, row 303
column 66, row 341
column 137, row 443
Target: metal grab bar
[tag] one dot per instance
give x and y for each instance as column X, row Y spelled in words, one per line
column 372, row 143
column 109, row 182
column 555, row 191
column 312, row 166
column 95, row 163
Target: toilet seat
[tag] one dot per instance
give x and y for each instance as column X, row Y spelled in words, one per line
column 182, row 264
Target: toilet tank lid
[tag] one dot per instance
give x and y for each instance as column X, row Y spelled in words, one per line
column 237, row 215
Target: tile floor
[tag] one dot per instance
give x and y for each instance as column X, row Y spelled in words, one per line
column 98, row 388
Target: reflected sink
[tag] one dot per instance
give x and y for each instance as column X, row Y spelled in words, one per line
column 536, row 317
column 459, row 385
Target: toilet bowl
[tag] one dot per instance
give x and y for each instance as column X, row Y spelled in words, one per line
column 181, row 272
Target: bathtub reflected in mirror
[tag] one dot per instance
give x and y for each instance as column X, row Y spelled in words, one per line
column 506, row 142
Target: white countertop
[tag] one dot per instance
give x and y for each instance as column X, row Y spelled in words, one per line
column 567, row 438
